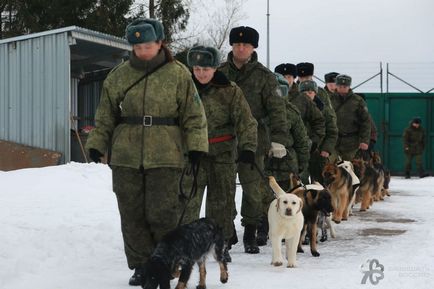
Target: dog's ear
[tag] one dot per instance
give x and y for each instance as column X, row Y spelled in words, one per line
column 301, row 205
column 313, row 193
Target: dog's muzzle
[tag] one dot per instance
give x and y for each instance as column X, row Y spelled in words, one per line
column 288, row 212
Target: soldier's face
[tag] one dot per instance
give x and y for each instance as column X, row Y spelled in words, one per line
column 304, row 78
column 342, row 89
column 242, row 51
column 289, row 78
column 310, row 93
column 331, row 86
column 204, row 74
column 147, row 51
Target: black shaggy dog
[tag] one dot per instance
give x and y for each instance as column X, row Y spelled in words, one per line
column 180, row 249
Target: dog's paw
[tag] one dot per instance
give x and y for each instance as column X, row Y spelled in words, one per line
column 315, row 253
column 224, row 276
column 277, row 263
column 291, row 265
column 300, row 250
column 200, row 287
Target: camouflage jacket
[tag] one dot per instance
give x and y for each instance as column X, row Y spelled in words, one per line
column 228, row 113
column 352, row 119
column 167, row 92
column 312, row 117
column 262, row 92
column 298, row 139
column 414, row 140
column 331, row 129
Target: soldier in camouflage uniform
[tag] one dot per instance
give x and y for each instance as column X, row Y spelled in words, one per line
column 149, row 115
column 295, row 161
column 230, row 123
column 414, row 144
column 262, row 92
column 319, row 156
column 330, row 82
column 352, row 118
column 313, row 119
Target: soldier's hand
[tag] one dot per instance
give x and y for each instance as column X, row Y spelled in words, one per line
column 277, row 150
column 363, row 146
column 95, row 155
column 195, row 156
column 324, row 154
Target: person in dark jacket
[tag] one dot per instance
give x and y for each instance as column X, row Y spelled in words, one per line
column 414, row 144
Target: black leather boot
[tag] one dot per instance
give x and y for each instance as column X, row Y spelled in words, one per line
column 249, row 240
column 136, row 279
column 262, row 235
column 407, row 175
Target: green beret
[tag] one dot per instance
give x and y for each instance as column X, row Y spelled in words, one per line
column 283, row 84
column 343, row 79
column 204, row 56
column 144, row 30
column 308, row 85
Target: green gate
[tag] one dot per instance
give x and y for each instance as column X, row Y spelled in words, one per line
column 392, row 113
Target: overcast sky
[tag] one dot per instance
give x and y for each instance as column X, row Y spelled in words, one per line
column 344, row 30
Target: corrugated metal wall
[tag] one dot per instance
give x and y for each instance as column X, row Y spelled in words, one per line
column 35, row 92
column 89, row 95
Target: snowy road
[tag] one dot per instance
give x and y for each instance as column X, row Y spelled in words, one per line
column 59, row 229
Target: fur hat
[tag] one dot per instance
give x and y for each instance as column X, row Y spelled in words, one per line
column 330, row 77
column 144, row 30
column 305, row 69
column 417, row 120
column 286, row 69
column 308, row 85
column 244, row 34
column 343, row 79
column 204, row 56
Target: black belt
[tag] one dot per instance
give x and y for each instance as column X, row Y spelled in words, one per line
column 348, row 134
column 149, row 120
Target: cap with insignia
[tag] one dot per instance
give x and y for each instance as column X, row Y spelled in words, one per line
column 343, row 79
column 204, row 56
column 244, row 34
column 286, row 69
column 308, row 85
column 144, row 30
column 330, row 77
column 305, row 69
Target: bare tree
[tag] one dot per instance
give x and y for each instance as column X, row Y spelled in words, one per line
column 223, row 20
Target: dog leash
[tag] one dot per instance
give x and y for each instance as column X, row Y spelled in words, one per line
column 193, row 170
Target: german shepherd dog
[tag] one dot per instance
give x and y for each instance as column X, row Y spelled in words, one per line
column 316, row 199
column 339, row 183
column 367, row 176
column 180, row 249
column 383, row 175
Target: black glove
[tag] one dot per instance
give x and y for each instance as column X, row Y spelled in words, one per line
column 314, row 147
column 195, row 156
column 95, row 155
column 247, row 157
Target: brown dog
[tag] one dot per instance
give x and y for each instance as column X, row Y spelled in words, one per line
column 338, row 181
column 315, row 199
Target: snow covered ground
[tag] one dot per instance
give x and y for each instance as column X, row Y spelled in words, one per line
column 60, row 229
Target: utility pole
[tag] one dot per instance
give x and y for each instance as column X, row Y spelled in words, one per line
column 268, row 34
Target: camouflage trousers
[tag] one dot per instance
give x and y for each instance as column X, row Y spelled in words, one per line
column 253, row 191
column 408, row 160
column 148, row 205
column 218, row 175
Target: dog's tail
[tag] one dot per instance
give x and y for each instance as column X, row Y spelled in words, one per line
column 278, row 191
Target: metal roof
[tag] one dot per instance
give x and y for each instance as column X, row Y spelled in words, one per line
column 78, row 33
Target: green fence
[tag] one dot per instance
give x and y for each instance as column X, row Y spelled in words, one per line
column 392, row 113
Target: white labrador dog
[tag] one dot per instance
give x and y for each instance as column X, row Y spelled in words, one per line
column 285, row 220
